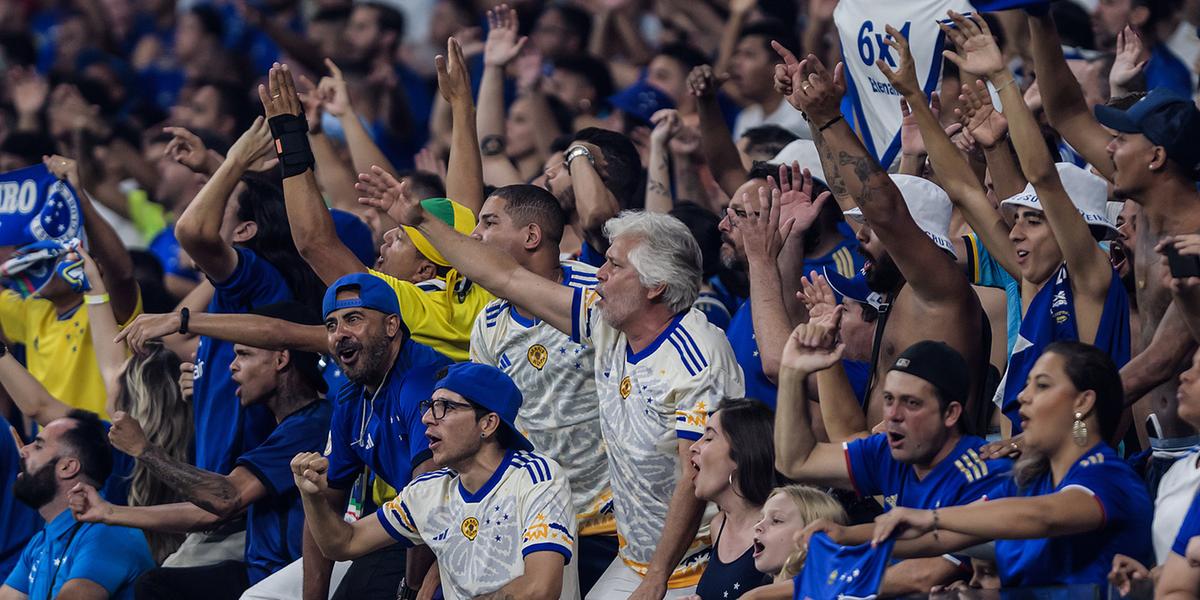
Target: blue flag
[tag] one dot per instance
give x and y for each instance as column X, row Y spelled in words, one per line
column 37, row 206
column 998, row 5
column 843, row 572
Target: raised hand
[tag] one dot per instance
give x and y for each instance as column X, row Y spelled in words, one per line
column 979, row 117
column 126, row 434
column 86, row 504
column 817, row 92
column 666, row 126
column 187, row 149
column 427, row 161
column 760, row 230
column 906, row 523
column 147, row 327
column 817, row 295
column 454, row 80
column 1132, row 57
column 784, row 72
column 904, row 78
column 90, row 269
column 310, row 97
column 503, row 42
column 796, row 204
column 977, row 50
column 63, row 168
column 28, row 90
column 310, row 470
column 279, row 95
column 704, row 82
column 811, row 347
column 335, row 94
column 254, row 150
column 384, row 192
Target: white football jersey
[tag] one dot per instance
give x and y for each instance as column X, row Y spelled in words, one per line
column 481, row 539
column 560, row 413
column 649, row 402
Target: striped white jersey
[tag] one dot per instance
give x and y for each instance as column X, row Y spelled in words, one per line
column 481, row 539
column 560, row 413
column 650, row 401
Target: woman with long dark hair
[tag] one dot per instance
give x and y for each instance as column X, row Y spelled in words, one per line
column 734, row 467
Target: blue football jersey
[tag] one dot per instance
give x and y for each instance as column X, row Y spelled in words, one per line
column 960, row 478
column 843, row 572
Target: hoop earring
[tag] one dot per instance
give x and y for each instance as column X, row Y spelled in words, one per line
column 1079, row 430
column 733, row 486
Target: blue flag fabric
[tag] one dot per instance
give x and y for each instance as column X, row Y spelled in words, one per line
column 998, row 5
column 37, row 206
column 843, row 572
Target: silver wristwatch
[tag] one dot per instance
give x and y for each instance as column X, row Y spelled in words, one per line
column 575, row 152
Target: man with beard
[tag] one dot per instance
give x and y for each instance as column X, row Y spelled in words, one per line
column 776, row 264
column 18, row 522
column 924, row 460
column 289, row 384
column 655, row 357
column 910, row 259
column 70, row 559
column 1147, row 151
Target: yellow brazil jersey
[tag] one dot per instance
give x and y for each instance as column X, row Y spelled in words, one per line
column 436, row 316
column 58, row 351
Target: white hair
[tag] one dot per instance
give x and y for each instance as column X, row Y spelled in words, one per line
column 666, row 254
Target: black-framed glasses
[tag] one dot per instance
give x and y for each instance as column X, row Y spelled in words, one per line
column 439, row 407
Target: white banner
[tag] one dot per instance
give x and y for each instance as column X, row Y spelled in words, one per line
column 870, row 99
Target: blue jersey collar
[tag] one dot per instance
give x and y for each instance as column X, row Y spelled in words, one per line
column 481, row 493
column 636, row 357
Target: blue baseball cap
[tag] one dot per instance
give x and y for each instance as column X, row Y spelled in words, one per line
column 355, row 234
column 641, row 100
column 373, row 293
column 492, row 389
column 854, row 288
column 1166, row 119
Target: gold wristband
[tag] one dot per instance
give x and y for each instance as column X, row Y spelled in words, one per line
column 95, row 298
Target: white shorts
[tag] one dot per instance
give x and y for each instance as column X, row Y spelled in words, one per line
column 288, row 582
column 619, row 581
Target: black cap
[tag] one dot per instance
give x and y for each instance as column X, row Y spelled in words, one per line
column 1166, row 119
column 307, row 364
column 939, row 364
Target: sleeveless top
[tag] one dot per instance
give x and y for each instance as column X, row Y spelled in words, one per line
column 729, row 580
column 1051, row 318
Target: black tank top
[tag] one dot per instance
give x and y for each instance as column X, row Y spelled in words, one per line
column 727, row 581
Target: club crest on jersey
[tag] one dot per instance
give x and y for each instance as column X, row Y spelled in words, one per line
column 537, row 356
column 626, row 387
column 470, row 528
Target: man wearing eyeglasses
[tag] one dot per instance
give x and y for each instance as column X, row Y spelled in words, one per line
column 499, row 517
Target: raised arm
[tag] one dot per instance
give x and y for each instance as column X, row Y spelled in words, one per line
column 312, row 225
column 199, row 227
column 494, row 269
column 464, row 173
column 658, row 175
column 594, row 202
column 106, row 246
column 933, row 278
column 716, row 141
column 110, row 354
column 28, row 393
column 363, row 150
column 503, row 45
column 798, row 455
column 841, row 413
column 241, row 328
column 1064, row 102
column 337, row 539
column 180, row 517
column 334, row 177
column 953, row 171
column 1091, row 271
column 221, row 495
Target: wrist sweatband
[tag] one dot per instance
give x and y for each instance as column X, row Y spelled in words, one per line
column 291, row 143
column 95, row 298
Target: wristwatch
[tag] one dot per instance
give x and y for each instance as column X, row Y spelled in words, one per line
column 405, row 592
column 184, row 313
column 3, row 349
column 575, row 152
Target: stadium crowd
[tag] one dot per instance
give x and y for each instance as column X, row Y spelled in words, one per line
column 603, row 299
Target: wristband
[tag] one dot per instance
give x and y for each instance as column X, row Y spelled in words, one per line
column 3, row 349
column 95, row 298
column 830, row 123
column 291, row 144
column 184, row 313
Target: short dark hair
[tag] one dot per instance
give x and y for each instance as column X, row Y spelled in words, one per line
column 768, row 139
column 762, row 170
column 1074, row 25
column 594, row 70
column 525, row 204
column 424, row 184
column 388, row 18
column 30, row 146
column 231, row 101
column 772, row 30
column 88, row 443
column 623, row 176
column 333, row 14
column 686, row 55
column 749, row 426
column 210, row 19
column 704, row 227
column 1092, row 369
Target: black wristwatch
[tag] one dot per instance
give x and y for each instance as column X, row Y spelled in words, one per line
column 404, row 592
column 3, row 349
column 184, row 313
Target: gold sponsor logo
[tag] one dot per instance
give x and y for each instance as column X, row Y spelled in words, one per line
column 537, row 356
column 470, row 528
column 626, row 387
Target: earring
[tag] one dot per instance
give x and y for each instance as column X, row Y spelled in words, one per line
column 1079, row 430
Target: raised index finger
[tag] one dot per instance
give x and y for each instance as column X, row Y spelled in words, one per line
column 784, row 53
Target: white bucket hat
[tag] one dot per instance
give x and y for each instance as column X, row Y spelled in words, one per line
column 805, row 153
column 929, row 206
column 1088, row 192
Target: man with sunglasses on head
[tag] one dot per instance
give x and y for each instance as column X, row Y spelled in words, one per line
column 499, row 517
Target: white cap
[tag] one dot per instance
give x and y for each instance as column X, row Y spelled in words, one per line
column 1088, row 192
column 1113, row 211
column 805, row 153
column 929, row 206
